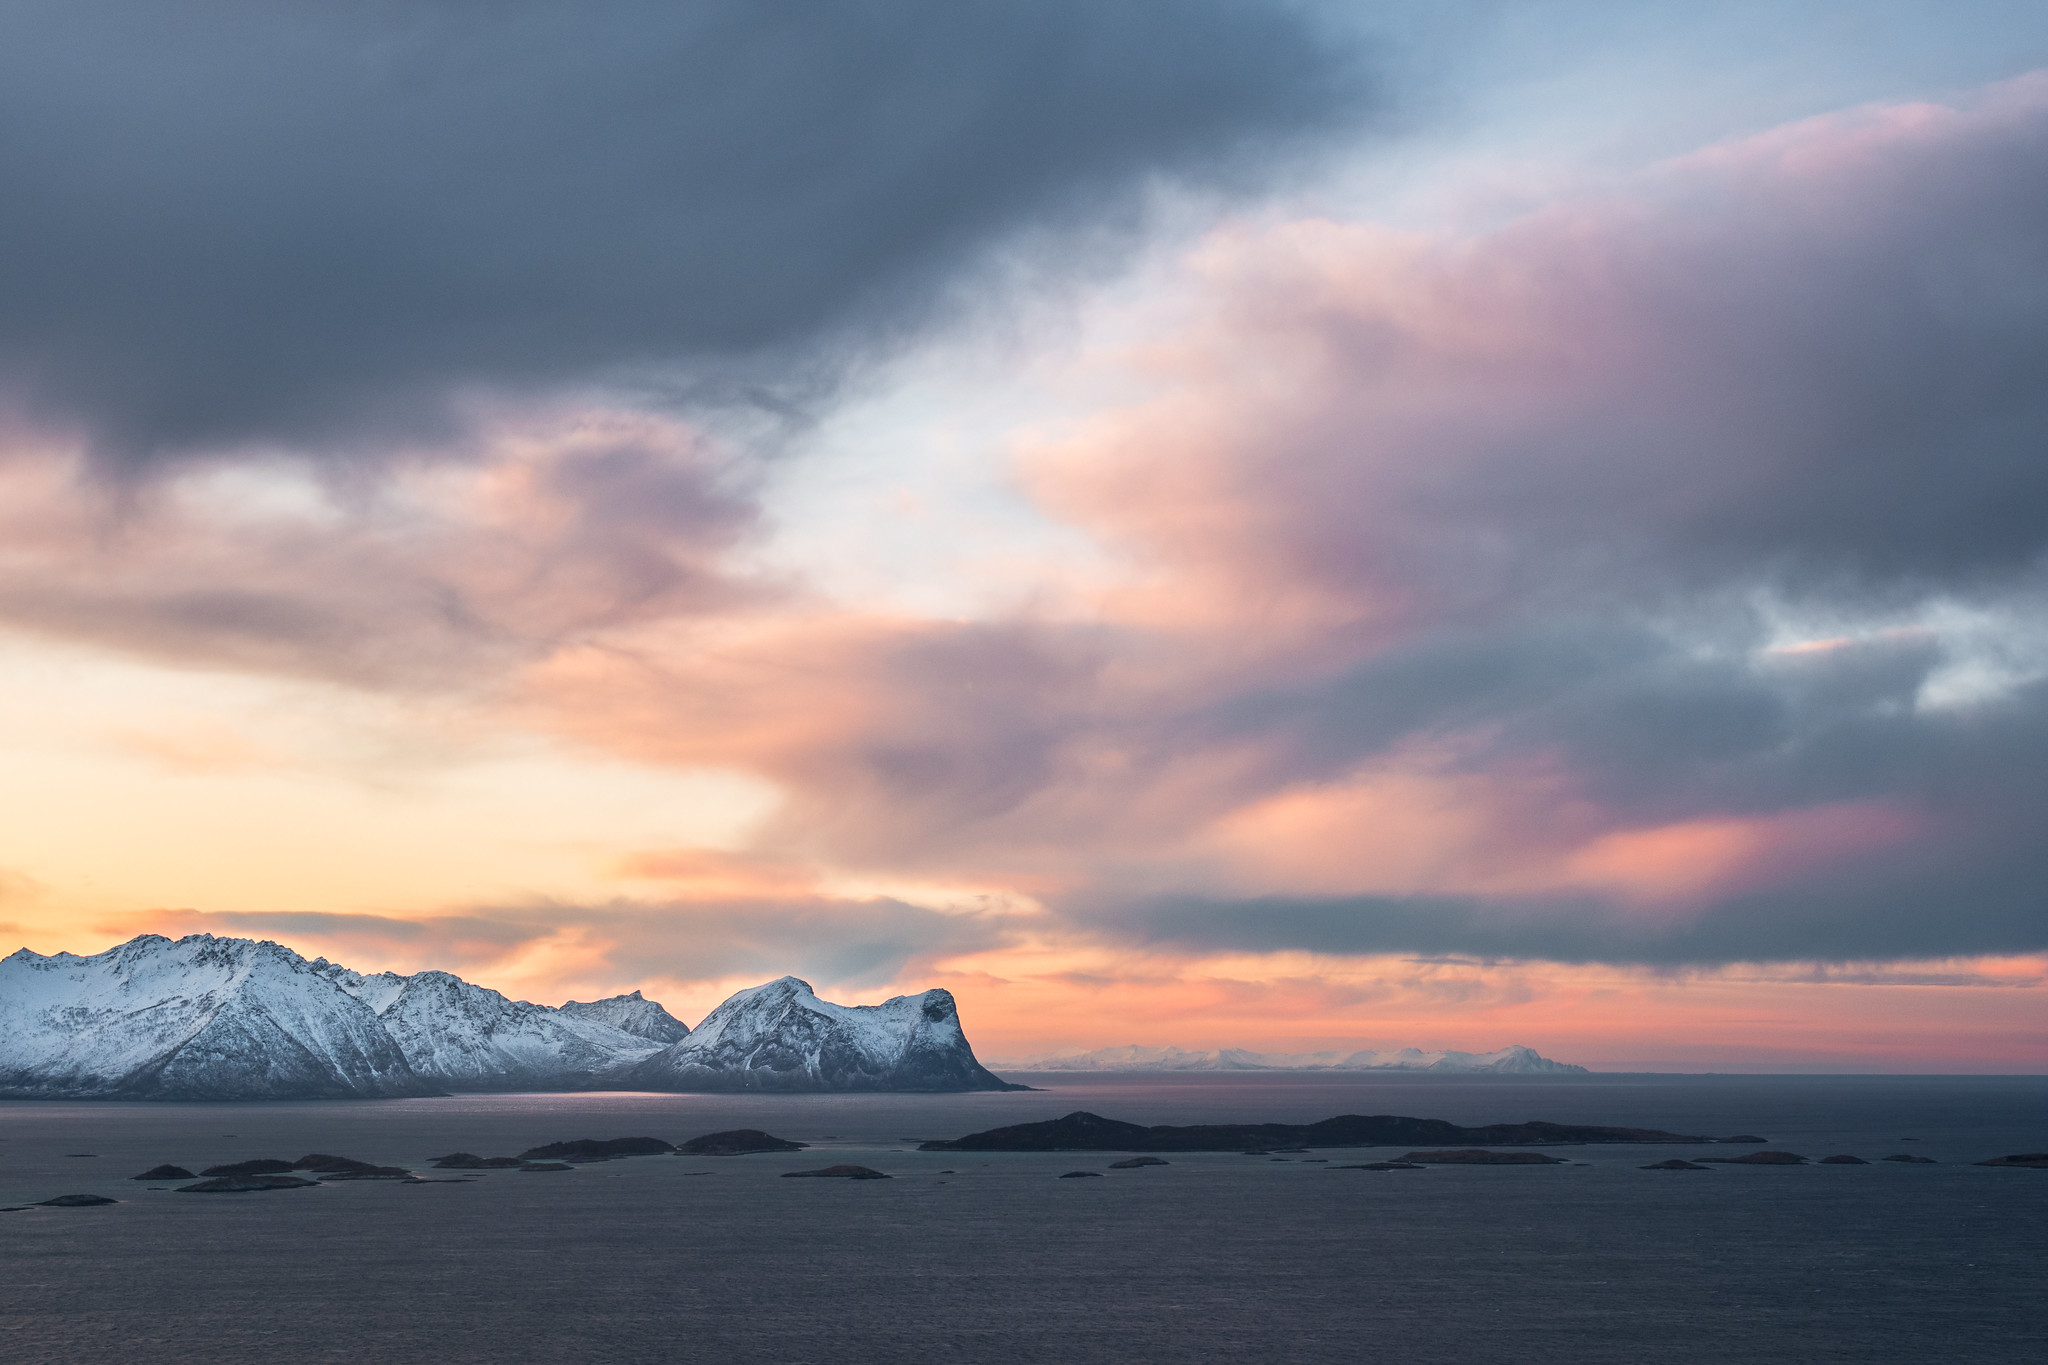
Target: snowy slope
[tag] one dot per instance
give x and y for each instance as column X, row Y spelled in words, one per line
column 1514, row 1060
column 228, row 1018
column 377, row 990
column 472, row 1038
column 781, row 1036
column 201, row 1018
column 639, row 1017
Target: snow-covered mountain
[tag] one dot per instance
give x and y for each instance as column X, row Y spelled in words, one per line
column 470, row 1037
column 202, row 1018
column 231, row 1018
column 629, row 1012
column 782, row 1037
column 1509, row 1061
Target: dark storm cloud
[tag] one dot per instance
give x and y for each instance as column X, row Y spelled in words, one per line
column 1644, row 719
column 1977, row 896
column 231, row 222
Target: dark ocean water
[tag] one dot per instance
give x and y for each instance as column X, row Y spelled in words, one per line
column 1213, row 1258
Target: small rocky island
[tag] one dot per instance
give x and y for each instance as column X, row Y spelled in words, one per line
column 165, row 1172
column 584, row 1151
column 1085, row 1132
column 738, row 1142
column 1473, row 1156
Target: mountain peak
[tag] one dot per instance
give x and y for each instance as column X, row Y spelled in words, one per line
column 782, row 1037
column 199, row 1018
column 633, row 1014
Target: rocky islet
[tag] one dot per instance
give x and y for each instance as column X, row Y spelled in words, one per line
column 258, row 1175
column 1085, row 1132
column 581, row 1151
column 247, row 1184
column 1381, row 1166
column 165, row 1172
column 1471, row 1156
column 739, row 1142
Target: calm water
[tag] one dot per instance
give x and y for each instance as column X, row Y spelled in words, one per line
column 1214, row 1258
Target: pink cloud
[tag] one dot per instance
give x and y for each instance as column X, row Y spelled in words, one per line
column 1437, row 614
column 1441, row 556
column 445, row 571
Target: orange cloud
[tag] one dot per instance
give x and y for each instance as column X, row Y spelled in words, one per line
column 194, row 749
column 1975, row 1014
column 714, row 874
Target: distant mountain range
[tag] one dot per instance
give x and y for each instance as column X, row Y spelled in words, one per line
column 206, row 1018
column 1509, row 1061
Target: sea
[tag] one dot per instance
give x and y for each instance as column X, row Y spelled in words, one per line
column 993, row 1257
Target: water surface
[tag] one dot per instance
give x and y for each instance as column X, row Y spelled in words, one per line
column 991, row 1257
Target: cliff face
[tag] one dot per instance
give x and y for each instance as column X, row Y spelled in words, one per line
column 782, row 1037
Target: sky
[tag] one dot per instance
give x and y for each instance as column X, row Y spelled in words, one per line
column 1256, row 523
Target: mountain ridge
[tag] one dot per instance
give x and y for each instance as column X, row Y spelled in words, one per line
column 198, row 1018
column 464, row 1035
column 633, row 1014
column 207, row 1018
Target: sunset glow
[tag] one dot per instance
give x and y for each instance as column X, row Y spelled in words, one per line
column 1432, row 594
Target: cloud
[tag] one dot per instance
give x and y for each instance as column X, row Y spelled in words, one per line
column 1901, row 1017
column 553, row 525
column 1654, row 579
column 1926, row 900
column 194, row 748
column 18, row 888
column 856, row 943
column 1805, row 359
column 1552, row 514
column 1664, row 566
column 236, row 224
